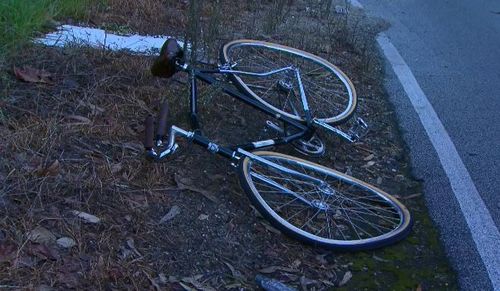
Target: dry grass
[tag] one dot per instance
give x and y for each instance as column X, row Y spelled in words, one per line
column 75, row 145
column 147, row 16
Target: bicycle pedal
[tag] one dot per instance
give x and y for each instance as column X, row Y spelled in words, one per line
column 358, row 129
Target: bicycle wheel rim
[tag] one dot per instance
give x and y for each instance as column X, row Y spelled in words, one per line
column 347, row 103
column 398, row 232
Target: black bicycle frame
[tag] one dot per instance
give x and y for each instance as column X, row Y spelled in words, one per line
column 302, row 130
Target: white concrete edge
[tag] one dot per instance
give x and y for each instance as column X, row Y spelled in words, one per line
column 99, row 38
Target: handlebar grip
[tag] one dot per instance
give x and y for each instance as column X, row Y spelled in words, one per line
column 162, row 121
column 148, row 138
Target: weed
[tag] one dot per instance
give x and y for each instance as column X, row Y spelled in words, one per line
column 276, row 15
column 91, row 121
column 20, row 20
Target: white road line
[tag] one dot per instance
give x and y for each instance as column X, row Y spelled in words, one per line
column 484, row 232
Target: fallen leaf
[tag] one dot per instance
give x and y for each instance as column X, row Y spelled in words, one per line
column 115, row 273
column 131, row 245
column 124, row 252
column 86, row 217
column 236, row 274
column 185, row 184
column 162, row 278
column 271, row 284
column 369, row 164
column 329, row 283
column 69, row 279
column 304, row 282
column 8, row 251
column 203, row 217
column 272, row 269
column 153, row 281
column 233, row 286
column 173, row 212
column 32, row 75
column 369, row 157
column 24, row 262
column 194, row 281
column 295, row 264
column 270, row 228
column 186, row 287
column 411, row 196
column 376, row 258
column 321, row 259
column 331, row 275
column 95, row 109
column 41, row 235
column 52, row 170
column 346, row 278
column 255, row 211
column 116, row 168
column 79, row 118
column 133, row 146
column 43, row 251
column 66, row 242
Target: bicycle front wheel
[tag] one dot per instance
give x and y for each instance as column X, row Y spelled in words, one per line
column 342, row 213
column 330, row 94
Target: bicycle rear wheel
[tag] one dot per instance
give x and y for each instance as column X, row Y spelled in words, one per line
column 343, row 213
column 330, row 94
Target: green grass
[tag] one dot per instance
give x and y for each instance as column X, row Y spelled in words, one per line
column 20, row 20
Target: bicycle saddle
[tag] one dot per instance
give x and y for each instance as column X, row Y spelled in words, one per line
column 164, row 65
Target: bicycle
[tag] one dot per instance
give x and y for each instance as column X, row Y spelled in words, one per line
column 307, row 201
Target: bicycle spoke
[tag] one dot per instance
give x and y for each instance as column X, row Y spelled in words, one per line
column 346, row 212
column 324, row 87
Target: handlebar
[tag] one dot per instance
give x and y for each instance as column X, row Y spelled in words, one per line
column 148, row 138
column 162, row 123
column 160, row 150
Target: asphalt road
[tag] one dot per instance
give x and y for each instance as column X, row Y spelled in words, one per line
column 453, row 49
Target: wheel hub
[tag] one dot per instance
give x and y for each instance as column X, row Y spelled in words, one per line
column 326, row 190
column 285, row 85
column 320, row 204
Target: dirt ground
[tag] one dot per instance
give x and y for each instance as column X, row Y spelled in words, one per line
column 72, row 147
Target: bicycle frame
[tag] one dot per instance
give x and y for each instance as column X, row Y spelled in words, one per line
column 290, row 178
column 235, row 155
column 235, row 152
column 302, row 130
column 357, row 130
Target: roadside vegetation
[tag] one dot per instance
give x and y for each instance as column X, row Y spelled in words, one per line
column 80, row 207
column 20, row 20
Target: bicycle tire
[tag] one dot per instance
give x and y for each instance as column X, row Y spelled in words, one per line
column 349, row 213
column 333, row 104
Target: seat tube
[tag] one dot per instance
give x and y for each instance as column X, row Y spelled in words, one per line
column 303, row 98
column 193, row 101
